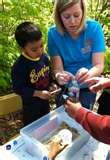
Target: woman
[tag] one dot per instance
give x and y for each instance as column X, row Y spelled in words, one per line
column 97, row 125
column 75, row 43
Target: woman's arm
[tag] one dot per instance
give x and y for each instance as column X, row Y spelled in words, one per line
column 98, row 64
column 96, row 70
column 61, row 76
column 57, row 65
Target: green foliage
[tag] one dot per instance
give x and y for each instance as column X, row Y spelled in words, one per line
column 107, row 62
column 13, row 12
column 100, row 10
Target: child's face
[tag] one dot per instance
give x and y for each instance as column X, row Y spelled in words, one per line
column 34, row 49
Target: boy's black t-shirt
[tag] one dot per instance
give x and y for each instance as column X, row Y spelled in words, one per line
column 28, row 75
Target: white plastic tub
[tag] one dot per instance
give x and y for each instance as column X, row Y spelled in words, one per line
column 35, row 133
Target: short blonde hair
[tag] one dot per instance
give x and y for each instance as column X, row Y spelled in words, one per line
column 60, row 6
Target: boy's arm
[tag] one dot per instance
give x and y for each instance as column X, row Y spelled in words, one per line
column 19, row 83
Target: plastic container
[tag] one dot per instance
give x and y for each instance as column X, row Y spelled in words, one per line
column 37, row 132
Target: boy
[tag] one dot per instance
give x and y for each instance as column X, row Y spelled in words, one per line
column 31, row 73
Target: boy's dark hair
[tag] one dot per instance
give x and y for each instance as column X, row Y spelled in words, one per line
column 27, row 32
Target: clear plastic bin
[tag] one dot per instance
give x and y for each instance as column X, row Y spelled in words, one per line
column 37, row 132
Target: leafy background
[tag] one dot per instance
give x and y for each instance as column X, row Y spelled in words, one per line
column 13, row 12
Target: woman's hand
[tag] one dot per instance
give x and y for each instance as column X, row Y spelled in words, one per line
column 82, row 74
column 98, row 83
column 71, row 108
column 63, row 77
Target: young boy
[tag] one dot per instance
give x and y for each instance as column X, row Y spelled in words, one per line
column 31, row 73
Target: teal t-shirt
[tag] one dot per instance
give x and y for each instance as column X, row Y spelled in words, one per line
column 77, row 53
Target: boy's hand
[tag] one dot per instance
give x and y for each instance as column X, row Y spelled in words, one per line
column 53, row 87
column 46, row 95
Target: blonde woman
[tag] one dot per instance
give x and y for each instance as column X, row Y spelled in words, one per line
column 76, row 45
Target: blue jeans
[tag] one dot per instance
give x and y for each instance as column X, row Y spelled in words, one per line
column 87, row 98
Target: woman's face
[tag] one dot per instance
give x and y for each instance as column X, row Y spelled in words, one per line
column 71, row 18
